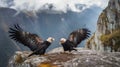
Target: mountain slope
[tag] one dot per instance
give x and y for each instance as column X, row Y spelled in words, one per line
column 107, row 35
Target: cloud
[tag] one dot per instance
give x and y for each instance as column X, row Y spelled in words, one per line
column 53, row 6
column 3, row 3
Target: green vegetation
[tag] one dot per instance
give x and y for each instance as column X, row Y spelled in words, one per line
column 112, row 40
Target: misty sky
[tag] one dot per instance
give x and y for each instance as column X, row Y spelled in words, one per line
column 53, row 6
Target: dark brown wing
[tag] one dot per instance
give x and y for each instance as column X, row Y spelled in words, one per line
column 79, row 35
column 27, row 39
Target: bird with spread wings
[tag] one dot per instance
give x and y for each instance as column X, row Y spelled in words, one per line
column 32, row 41
column 74, row 39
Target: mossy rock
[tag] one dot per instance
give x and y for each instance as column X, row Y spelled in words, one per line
column 108, row 38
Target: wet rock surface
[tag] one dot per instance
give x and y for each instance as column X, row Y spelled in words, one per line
column 80, row 58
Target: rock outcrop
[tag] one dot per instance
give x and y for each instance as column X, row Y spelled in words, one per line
column 80, row 58
column 107, row 35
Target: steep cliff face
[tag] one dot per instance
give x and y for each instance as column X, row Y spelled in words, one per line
column 107, row 35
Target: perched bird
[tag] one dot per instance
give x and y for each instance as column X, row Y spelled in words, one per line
column 32, row 41
column 74, row 39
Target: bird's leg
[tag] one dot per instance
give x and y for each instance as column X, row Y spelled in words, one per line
column 31, row 54
column 75, row 49
column 34, row 52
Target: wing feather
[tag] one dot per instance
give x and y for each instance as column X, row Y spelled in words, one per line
column 27, row 39
column 79, row 35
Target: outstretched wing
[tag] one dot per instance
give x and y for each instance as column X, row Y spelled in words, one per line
column 27, row 39
column 79, row 35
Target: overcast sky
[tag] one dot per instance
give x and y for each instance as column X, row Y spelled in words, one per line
column 53, row 6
